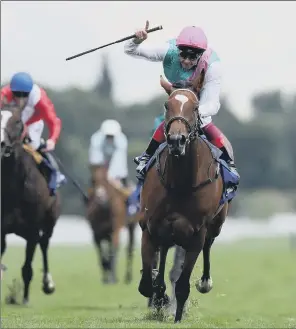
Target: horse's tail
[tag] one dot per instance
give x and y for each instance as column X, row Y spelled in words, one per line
column 175, row 229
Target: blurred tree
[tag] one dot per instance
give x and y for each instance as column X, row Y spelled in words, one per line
column 104, row 85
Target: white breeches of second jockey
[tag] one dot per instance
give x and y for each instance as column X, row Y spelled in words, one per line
column 35, row 131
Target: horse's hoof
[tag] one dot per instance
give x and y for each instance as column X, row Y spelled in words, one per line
column 25, row 301
column 204, row 285
column 48, row 289
column 145, row 288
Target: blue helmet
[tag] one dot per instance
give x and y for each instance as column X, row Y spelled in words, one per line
column 21, row 82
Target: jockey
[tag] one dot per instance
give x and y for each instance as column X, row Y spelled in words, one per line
column 184, row 58
column 108, row 147
column 36, row 108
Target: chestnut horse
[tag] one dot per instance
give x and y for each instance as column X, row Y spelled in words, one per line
column 106, row 213
column 27, row 208
column 180, row 198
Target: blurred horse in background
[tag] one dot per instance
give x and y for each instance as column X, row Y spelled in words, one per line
column 28, row 209
column 106, row 214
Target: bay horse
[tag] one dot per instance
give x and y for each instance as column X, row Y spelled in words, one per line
column 27, row 208
column 106, row 214
column 180, row 197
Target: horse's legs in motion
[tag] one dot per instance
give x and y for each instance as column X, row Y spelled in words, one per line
column 154, row 267
column 205, row 283
column 175, row 274
column 27, row 271
column 130, row 249
column 148, row 253
column 48, row 284
column 103, row 258
column 183, row 284
column 161, row 298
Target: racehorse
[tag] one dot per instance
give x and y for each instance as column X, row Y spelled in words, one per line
column 106, row 213
column 180, row 197
column 27, row 208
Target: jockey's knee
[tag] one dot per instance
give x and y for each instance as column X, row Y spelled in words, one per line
column 217, row 138
column 214, row 135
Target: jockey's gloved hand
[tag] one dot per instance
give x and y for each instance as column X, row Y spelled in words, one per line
column 50, row 145
column 142, row 34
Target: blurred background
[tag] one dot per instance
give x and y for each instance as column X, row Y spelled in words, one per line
column 258, row 98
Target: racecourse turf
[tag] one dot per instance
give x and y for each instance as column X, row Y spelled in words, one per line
column 254, row 287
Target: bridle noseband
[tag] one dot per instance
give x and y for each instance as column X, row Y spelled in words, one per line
column 192, row 129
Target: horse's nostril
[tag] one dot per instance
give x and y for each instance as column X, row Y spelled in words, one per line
column 2, row 144
column 183, row 139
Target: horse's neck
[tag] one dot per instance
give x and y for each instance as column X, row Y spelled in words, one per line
column 182, row 171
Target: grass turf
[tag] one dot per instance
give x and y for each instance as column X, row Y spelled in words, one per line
column 254, row 287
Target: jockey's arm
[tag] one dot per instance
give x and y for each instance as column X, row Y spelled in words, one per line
column 210, row 94
column 153, row 53
column 95, row 155
column 47, row 113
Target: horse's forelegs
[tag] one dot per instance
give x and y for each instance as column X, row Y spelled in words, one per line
column 148, row 252
column 183, row 284
column 175, row 273
column 154, row 267
column 130, row 248
column 205, row 284
column 27, row 271
column 103, row 259
column 161, row 298
column 48, row 283
column 113, row 251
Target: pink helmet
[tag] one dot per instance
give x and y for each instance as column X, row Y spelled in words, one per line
column 193, row 37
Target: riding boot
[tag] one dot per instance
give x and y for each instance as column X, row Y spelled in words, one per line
column 143, row 159
column 61, row 179
column 229, row 161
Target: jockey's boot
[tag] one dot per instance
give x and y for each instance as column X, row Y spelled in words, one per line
column 143, row 159
column 217, row 138
column 61, row 179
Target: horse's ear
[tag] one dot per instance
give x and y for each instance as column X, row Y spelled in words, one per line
column 166, row 85
column 197, row 83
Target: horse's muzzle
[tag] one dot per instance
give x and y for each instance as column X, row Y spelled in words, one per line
column 176, row 144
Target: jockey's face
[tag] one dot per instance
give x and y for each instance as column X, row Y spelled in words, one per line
column 21, row 98
column 109, row 139
column 189, row 57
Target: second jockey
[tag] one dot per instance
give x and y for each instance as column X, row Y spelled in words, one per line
column 108, row 147
column 184, row 58
column 36, row 108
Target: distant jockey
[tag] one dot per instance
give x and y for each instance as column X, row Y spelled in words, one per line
column 108, row 147
column 184, row 58
column 36, row 108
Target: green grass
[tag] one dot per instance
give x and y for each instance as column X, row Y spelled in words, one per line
column 254, row 287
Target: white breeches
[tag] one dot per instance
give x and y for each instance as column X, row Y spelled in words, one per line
column 35, row 131
column 205, row 121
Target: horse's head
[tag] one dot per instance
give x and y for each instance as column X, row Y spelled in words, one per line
column 181, row 113
column 12, row 129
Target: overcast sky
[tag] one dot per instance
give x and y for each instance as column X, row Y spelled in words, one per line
column 255, row 41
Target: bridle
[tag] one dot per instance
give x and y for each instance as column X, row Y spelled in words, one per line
column 192, row 129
